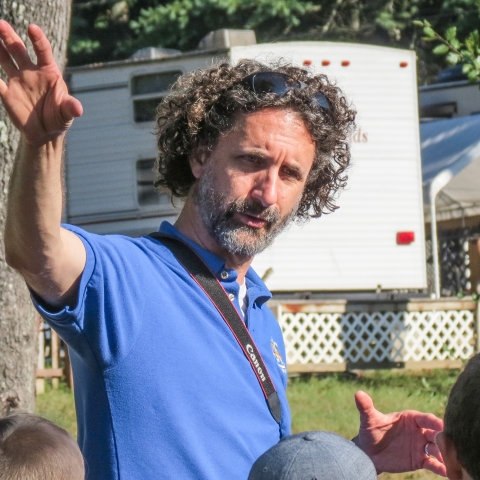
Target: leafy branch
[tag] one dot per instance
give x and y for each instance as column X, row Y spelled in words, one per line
column 465, row 53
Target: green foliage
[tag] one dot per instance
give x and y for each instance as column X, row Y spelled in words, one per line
column 85, row 46
column 456, row 51
column 105, row 30
column 108, row 30
column 99, row 27
column 440, row 49
column 182, row 23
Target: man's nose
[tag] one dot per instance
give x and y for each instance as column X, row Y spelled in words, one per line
column 266, row 188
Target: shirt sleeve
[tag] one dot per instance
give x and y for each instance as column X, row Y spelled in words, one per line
column 102, row 324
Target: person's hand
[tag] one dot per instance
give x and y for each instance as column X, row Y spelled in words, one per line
column 36, row 97
column 396, row 442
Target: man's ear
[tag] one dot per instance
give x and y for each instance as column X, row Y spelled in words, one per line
column 198, row 161
column 449, row 454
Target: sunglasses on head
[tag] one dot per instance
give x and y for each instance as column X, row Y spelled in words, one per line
column 279, row 84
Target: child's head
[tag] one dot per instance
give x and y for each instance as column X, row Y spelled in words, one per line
column 32, row 448
column 313, row 455
column 460, row 440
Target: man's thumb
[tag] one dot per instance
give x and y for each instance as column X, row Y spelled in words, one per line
column 364, row 404
column 71, row 108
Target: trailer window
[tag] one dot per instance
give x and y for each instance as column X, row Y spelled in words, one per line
column 146, row 192
column 147, row 92
column 144, row 110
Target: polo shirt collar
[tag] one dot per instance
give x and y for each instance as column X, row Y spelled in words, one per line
column 255, row 284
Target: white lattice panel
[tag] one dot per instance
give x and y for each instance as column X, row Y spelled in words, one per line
column 377, row 336
column 439, row 335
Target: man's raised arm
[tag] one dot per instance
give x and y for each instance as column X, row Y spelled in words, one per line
column 51, row 259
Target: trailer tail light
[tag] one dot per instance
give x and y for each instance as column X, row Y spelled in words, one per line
column 307, row 63
column 403, row 64
column 325, row 63
column 405, row 238
column 345, row 63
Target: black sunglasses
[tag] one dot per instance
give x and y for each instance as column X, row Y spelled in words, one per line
column 279, row 84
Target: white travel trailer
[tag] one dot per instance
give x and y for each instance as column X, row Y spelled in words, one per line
column 375, row 241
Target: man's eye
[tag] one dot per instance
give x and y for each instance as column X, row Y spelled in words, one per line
column 251, row 159
column 291, row 173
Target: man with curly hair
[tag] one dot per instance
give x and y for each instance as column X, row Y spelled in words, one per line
column 162, row 387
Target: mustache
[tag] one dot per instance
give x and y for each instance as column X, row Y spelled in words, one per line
column 268, row 214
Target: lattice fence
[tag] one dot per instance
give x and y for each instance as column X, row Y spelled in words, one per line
column 376, row 334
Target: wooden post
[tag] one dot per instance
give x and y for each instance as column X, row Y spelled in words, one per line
column 40, row 382
column 54, row 352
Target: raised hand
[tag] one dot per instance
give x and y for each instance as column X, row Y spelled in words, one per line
column 396, row 442
column 35, row 97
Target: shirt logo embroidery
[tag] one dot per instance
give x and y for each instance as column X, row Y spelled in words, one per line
column 277, row 356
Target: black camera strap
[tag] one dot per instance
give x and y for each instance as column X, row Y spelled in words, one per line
column 208, row 282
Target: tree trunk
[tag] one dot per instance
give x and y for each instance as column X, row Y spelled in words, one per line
column 18, row 326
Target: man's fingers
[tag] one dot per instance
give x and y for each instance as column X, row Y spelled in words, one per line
column 428, row 421
column 433, row 450
column 430, row 435
column 14, row 45
column 6, row 61
column 3, row 88
column 435, row 466
column 41, row 45
column 437, row 453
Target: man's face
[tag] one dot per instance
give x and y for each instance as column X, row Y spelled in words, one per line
column 249, row 187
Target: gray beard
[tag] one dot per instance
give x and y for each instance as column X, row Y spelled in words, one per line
column 217, row 215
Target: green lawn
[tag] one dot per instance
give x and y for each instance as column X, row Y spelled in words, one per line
column 326, row 402
column 58, row 407
column 321, row 403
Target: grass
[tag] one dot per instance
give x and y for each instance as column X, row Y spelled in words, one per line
column 326, row 402
column 57, row 405
column 321, row 403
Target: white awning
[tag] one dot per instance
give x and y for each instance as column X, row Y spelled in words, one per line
column 451, row 166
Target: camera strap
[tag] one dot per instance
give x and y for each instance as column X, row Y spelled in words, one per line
column 214, row 290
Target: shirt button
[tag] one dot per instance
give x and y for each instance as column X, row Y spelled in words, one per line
column 224, row 275
column 231, row 296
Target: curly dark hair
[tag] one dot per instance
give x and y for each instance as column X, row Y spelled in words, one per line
column 203, row 105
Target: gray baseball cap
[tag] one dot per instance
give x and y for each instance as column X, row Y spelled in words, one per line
column 313, row 456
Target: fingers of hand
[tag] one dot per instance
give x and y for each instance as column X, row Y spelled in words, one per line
column 434, row 465
column 430, row 435
column 14, row 45
column 428, row 421
column 431, row 450
column 3, row 88
column 41, row 45
column 6, row 61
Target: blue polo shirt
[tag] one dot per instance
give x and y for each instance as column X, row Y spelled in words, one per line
column 162, row 388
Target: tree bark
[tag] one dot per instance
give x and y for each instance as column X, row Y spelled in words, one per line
column 18, row 326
